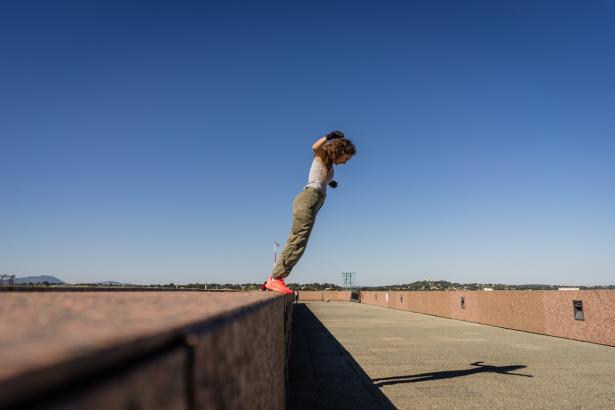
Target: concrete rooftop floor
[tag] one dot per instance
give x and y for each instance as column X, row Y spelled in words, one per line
column 349, row 355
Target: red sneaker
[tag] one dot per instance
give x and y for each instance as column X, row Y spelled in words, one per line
column 278, row 285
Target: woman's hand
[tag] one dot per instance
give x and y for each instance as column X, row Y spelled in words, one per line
column 333, row 135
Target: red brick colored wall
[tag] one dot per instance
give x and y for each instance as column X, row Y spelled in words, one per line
column 544, row 312
column 376, row 298
column 431, row 303
column 310, row 295
column 343, row 296
column 316, row 295
column 520, row 310
column 470, row 313
column 599, row 310
column 398, row 300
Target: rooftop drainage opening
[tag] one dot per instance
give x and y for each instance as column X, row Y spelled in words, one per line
column 577, row 305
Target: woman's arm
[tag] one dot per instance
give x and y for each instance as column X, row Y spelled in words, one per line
column 319, row 148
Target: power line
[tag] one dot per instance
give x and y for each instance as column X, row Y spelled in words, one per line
column 347, row 280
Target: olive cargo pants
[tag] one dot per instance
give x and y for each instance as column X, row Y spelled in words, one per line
column 305, row 207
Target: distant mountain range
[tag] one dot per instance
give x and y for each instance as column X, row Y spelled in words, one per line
column 39, row 279
column 110, row 283
column 52, row 280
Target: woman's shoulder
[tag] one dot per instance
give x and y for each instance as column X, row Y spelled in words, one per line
column 322, row 164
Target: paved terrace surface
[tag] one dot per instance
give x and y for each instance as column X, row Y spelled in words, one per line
column 348, row 355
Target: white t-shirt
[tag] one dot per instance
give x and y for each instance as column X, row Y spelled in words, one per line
column 318, row 177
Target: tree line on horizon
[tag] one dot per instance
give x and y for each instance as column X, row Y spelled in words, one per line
column 424, row 285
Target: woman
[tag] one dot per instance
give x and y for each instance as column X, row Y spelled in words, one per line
column 331, row 149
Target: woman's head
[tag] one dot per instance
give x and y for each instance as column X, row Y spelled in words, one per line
column 339, row 151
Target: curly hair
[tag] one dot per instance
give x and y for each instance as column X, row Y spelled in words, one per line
column 337, row 147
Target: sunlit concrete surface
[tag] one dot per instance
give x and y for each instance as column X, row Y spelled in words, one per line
column 421, row 361
column 143, row 350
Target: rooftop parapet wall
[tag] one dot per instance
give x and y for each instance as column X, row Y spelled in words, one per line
column 322, row 295
column 310, row 295
column 522, row 310
column 599, row 310
column 341, row 295
column 544, row 312
column 154, row 350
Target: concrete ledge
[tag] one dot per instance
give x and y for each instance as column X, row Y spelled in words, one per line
column 154, row 350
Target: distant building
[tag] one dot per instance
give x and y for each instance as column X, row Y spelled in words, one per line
column 568, row 289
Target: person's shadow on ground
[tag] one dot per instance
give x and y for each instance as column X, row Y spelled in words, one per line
column 449, row 374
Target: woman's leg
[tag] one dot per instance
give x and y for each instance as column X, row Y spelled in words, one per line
column 305, row 207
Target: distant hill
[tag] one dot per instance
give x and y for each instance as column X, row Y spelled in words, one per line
column 38, row 279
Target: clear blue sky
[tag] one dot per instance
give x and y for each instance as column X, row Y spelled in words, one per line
column 165, row 141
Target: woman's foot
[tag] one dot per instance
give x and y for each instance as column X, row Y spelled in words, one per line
column 278, row 285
